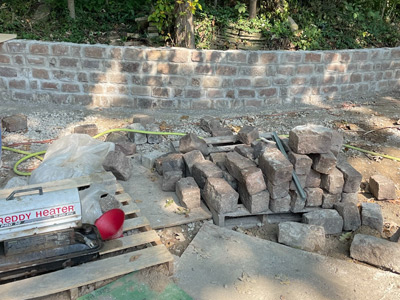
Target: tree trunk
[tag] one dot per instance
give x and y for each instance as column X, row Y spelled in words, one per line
column 252, row 9
column 71, row 7
column 184, row 28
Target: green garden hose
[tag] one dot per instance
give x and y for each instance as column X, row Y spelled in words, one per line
column 36, row 154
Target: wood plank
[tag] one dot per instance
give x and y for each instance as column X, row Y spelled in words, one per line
column 135, row 223
column 215, row 140
column 6, row 37
column 104, row 177
column 126, row 242
column 84, row 274
column 123, row 198
column 119, row 188
column 131, row 208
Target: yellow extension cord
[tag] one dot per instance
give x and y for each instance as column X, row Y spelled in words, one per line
column 37, row 154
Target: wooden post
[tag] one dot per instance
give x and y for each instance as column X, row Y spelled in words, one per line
column 71, row 7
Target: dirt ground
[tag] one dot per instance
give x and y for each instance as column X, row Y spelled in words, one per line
column 371, row 123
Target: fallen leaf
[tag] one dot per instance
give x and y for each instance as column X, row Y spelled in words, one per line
column 134, row 257
column 345, row 237
column 182, row 211
column 184, row 117
column 138, row 201
column 169, row 202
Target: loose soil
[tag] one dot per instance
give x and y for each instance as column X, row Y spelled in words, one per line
column 371, row 123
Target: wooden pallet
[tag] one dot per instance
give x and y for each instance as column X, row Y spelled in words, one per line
column 117, row 257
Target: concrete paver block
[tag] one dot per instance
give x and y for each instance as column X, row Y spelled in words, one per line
column 192, row 142
column 328, row 199
column 255, row 203
column 307, row 139
column 90, row 129
column 382, row 187
column 148, row 159
column 328, row 218
column 280, row 205
column 203, row 170
column 301, row 163
column 313, row 179
column 278, row 191
column 170, row 178
column 128, row 148
column 245, row 150
column 248, row 134
column 137, row 138
column 117, row 163
column 14, row 123
column 220, row 195
column 304, row 236
column 352, row 178
column 324, row 163
column 275, row 166
column 188, row 192
column 371, row 216
column 333, row 182
column 314, row 197
column 235, row 163
column 191, row 158
column 350, row 214
column 209, row 124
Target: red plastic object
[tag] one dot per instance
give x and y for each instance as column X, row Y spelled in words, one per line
column 110, row 224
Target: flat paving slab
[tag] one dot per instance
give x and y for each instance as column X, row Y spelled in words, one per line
column 162, row 209
column 224, row 264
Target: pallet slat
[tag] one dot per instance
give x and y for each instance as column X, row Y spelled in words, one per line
column 123, row 197
column 126, row 242
column 88, row 273
column 131, row 208
column 135, row 223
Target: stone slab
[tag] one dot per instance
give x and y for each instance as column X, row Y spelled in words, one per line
column 302, row 236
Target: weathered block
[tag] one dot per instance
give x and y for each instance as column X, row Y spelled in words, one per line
column 231, row 180
column 153, row 138
column 221, row 132
column 280, row 205
column 376, row 251
column 235, row 163
column 382, row 187
column 324, row 163
column 275, row 166
column 314, row 197
column 209, row 124
column 15, row 123
column 350, row 198
column 248, row 134
column 143, row 119
column 337, row 142
column 253, row 179
column 220, row 195
column 296, row 203
column 303, row 236
column 90, row 129
column 203, row 170
column 333, row 182
column 117, row 163
column 191, row 158
column 328, row 218
column 148, row 159
column 371, row 216
column 301, row 163
column 307, row 139
column 128, row 148
column 313, row 179
column 278, row 191
column 260, row 146
column 108, row 202
column 328, row 200
column 192, row 142
column 219, row 159
column 352, row 178
column 188, row 192
column 117, row 137
column 302, row 180
column 169, row 162
column 350, row 214
column 255, row 203
column 170, row 178
column 137, row 138
column 245, row 150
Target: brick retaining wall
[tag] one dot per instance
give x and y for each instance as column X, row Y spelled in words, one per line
column 141, row 77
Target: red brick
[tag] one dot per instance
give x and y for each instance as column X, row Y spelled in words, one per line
column 331, row 57
column 157, row 55
column 82, row 77
column 153, row 81
column 196, row 81
column 149, row 67
column 305, row 69
column 242, row 82
column 366, row 67
column 238, row 57
column 355, row 78
column 141, row 90
column 360, row 56
column 16, row 47
column 180, row 55
column 210, row 82
column 213, row 56
column 230, row 94
column 177, row 81
column 253, row 103
column 292, row 57
column 336, row 68
column 203, row 69
column 63, row 75
column 214, row 93
column 130, row 67
column 93, row 89
column 34, row 84
column 116, row 78
column 252, row 71
column 36, row 60
column 22, row 96
column 328, row 79
column 185, row 69
column 266, row 58
column 345, row 57
column 39, row 49
column 330, row 89
column 247, row 93
column 116, row 53
column 168, row 69
column 395, row 53
column 133, row 54
column 98, row 77
column 197, row 56
column 91, row 64
column 19, row 60
column 226, row 70
column 201, row 104
column 60, row 50
column 40, row 74
column 388, row 75
column 69, row 62
column 267, row 92
column 17, row 84
column 93, row 52
column 297, row 90
column 313, row 57
column 8, row 72
column 160, row 92
column 117, row 89
column 285, row 70
column 368, row 76
column 49, row 86
column 281, row 80
column 70, row 88
column 299, row 80
column 252, row 58
column 262, row 82
column 4, row 59
column 193, row 93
